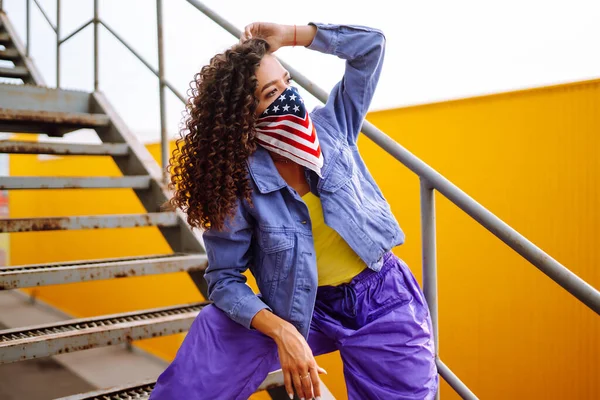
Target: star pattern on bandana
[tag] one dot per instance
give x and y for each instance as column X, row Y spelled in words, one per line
column 287, row 102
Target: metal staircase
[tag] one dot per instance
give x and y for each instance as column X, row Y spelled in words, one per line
column 29, row 106
column 32, row 108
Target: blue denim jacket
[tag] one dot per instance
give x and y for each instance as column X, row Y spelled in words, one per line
column 274, row 237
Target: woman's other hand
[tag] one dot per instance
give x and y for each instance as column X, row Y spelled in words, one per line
column 279, row 35
column 300, row 370
column 274, row 34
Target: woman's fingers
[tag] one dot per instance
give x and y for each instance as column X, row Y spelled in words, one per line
column 287, row 382
column 298, row 384
column 306, row 380
column 321, row 370
column 314, row 378
column 246, row 34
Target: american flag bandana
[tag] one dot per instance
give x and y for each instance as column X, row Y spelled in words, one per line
column 286, row 128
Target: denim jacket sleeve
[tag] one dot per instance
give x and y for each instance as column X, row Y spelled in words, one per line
column 228, row 254
column 363, row 49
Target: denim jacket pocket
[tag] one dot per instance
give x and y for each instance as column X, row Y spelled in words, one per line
column 277, row 251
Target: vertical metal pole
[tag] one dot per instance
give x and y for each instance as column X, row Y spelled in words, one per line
column 96, row 21
column 57, row 43
column 164, row 140
column 429, row 258
column 28, row 24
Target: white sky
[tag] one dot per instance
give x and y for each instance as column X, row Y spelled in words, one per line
column 436, row 50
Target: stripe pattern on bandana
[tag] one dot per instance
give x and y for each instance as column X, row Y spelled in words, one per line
column 286, row 128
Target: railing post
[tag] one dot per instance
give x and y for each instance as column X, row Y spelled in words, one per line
column 57, row 43
column 164, row 140
column 429, row 258
column 27, row 27
column 96, row 21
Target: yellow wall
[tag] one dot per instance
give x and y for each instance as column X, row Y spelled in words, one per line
column 531, row 157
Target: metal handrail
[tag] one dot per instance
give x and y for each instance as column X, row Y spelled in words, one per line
column 96, row 20
column 82, row 27
column 45, row 15
column 431, row 180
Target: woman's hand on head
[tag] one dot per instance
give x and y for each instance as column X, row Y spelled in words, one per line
column 280, row 35
column 276, row 35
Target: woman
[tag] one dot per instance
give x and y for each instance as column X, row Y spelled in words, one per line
column 286, row 194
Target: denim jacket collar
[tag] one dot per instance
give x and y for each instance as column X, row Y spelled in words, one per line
column 263, row 171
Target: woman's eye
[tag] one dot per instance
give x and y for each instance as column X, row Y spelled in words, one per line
column 289, row 80
column 271, row 93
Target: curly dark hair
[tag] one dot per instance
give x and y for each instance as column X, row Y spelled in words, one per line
column 208, row 166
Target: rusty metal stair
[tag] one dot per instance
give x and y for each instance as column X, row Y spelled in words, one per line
column 52, row 123
column 14, row 72
column 21, row 276
column 163, row 220
column 141, row 390
column 26, row 182
column 105, row 149
column 87, row 333
column 9, row 54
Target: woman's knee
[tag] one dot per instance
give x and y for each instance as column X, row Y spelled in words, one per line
column 215, row 323
column 211, row 319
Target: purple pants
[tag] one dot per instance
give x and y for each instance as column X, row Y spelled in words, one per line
column 379, row 322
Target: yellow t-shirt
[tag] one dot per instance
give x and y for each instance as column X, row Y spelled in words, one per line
column 337, row 263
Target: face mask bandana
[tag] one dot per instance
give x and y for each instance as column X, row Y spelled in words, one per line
column 285, row 128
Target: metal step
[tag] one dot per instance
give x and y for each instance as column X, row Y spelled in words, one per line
column 162, row 219
column 20, row 276
column 142, row 390
column 139, row 391
column 28, row 182
column 14, row 72
column 54, row 123
column 4, row 38
column 9, row 54
column 70, row 149
column 32, row 97
column 86, row 333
